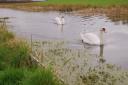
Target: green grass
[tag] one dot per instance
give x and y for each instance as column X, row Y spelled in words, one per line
column 15, row 54
column 67, row 5
column 11, row 77
column 41, row 77
column 16, row 65
column 14, row 76
column 5, row 35
column 98, row 3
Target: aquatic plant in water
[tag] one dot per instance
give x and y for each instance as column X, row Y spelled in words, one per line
column 78, row 67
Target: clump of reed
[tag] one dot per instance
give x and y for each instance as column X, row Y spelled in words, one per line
column 5, row 35
column 16, row 64
column 13, row 52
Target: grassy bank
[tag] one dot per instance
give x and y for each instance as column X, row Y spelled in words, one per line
column 16, row 65
column 71, row 5
column 67, row 5
column 18, row 76
column 98, row 3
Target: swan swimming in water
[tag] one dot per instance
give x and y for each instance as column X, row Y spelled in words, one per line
column 93, row 39
column 60, row 20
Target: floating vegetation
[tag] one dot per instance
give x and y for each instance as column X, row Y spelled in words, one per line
column 106, row 74
column 78, row 67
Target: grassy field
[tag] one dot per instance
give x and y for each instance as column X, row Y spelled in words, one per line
column 68, row 5
column 101, row 3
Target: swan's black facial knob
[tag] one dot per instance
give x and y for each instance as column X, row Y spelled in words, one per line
column 62, row 16
column 103, row 29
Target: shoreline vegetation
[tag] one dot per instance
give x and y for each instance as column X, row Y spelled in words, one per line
column 70, row 5
column 17, row 66
column 116, row 10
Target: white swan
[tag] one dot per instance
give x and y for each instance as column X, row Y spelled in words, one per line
column 93, row 39
column 60, row 20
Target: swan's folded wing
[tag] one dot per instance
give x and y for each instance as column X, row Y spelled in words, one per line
column 58, row 20
column 90, row 38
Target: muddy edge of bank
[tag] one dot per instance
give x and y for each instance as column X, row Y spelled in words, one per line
column 66, row 8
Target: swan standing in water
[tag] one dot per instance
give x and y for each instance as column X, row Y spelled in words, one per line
column 93, row 39
column 60, row 20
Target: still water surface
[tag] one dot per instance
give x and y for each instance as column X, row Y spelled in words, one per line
column 41, row 25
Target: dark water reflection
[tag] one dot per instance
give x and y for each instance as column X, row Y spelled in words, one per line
column 42, row 26
column 119, row 18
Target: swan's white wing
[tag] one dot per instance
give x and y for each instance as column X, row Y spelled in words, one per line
column 58, row 20
column 90, row 38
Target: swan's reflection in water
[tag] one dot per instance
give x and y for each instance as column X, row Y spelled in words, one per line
column 101, row 51
column 60, row 27
column 101, row 55
column 96, row 52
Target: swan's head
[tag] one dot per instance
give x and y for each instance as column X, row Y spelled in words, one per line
column 62, row 16
column 103, row 30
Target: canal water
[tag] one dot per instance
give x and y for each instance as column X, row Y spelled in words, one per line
column 42, row 26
